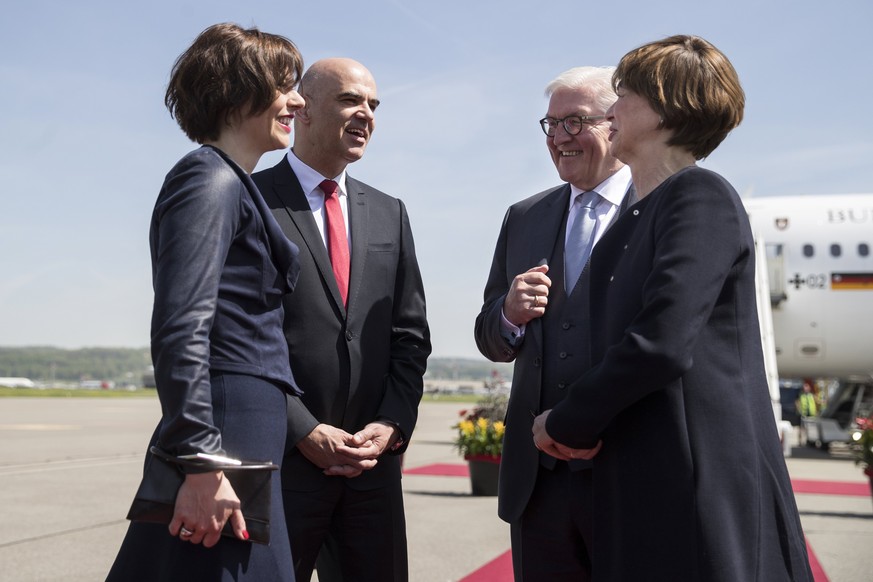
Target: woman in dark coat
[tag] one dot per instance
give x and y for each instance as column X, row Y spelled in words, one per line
column 220, row 267
column 690, row 482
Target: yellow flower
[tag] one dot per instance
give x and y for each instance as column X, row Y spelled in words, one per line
column 478, row 432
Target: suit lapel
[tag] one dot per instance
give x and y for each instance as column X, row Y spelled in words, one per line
column 544, row 224
column 359, row 219
column 290, row 195
column 542, row 231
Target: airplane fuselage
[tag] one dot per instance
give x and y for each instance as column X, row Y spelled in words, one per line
column 820, row 266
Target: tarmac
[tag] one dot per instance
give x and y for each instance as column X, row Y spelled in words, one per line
column 69, row 468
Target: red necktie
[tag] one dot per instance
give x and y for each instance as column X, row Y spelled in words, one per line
column 337, row 241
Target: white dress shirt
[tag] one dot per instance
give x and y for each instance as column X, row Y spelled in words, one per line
column 310, row 181
column 612, row 191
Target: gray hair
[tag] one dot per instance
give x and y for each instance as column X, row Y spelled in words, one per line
column 598, row 79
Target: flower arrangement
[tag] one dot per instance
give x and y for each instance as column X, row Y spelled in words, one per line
column 863, row 444
column 480, row 430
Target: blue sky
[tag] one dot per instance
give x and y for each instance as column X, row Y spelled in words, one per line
column 85, row 140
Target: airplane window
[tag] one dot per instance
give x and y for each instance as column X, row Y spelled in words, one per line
column 836, row 250
column 863, row 249
column 808, row 250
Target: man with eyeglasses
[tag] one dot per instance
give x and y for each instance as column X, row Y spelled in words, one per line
column 535, row 312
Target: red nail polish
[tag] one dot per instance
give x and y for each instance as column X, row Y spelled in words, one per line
column 245, row 534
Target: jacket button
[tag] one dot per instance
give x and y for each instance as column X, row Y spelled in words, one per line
column 611, row 278
column 563, row 355
column 565, row 325
column 350, row 336
column 537, row 361
column 561, row 386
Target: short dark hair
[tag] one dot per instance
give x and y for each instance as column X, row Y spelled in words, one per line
column 225, row 70
column 691, row 85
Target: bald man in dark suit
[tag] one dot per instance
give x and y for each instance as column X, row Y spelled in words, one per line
column 358, row 338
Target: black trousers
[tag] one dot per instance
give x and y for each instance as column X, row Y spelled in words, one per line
column 551, row 541
column 365, row 532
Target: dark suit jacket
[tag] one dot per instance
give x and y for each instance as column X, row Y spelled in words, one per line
column 358, row 366
column 220, row 267
column 528, row 234
column 691, row 482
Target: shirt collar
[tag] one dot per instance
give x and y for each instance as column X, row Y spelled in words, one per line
column 310, row 179
column 612, row 189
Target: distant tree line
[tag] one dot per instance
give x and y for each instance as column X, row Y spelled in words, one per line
column 466, row 368
column 46, row 364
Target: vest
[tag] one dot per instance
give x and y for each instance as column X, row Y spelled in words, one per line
column 565, row 332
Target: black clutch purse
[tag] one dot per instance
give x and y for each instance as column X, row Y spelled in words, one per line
column 155, row 499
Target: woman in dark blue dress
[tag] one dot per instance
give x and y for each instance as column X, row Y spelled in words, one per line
column 689, row 479
column 220, row 267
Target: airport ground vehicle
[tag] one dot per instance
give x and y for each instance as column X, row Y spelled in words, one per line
column 851, row 399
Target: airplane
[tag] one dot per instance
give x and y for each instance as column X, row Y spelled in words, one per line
column 815, row 278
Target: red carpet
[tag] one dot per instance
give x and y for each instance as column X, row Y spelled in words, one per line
column 818, row 573
column 500, row 568
column 497, row 570
column 855, row 489
column 830, row 487
column 440, row 470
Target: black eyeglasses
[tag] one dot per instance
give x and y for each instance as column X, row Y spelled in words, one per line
column 573, row 124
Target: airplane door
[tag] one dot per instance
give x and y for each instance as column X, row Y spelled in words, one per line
column 776, row 273
column 798, row 300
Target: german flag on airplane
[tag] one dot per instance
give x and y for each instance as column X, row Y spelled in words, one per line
column 850, row 281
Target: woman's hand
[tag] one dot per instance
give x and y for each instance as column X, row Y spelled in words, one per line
column 548, row 445
column 204, row 503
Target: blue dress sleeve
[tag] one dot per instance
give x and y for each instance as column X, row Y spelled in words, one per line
column 194, row 223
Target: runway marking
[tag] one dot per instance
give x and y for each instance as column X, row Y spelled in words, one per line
column 63, row 533
column 37, row 427
column 65, row 464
